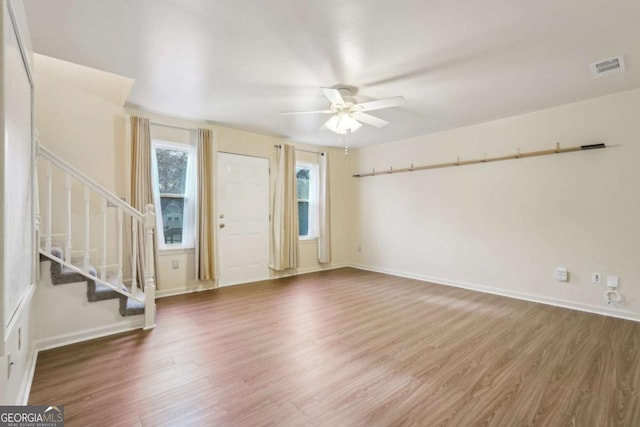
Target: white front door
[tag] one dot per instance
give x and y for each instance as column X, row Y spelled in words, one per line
column 243, row 219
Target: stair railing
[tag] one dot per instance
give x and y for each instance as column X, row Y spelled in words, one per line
column 138, row 219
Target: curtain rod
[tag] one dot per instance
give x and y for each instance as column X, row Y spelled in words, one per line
column 301, row 149
column 171, row 126
column 518, row 155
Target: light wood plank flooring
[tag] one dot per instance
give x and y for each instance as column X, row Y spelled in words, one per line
column 349, row 347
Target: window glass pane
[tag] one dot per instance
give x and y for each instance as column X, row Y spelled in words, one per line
column 172, row 171
column 172, row 215
column 303, row 218
column 302, row 174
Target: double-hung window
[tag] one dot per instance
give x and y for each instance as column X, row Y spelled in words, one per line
column 307, row 184
column 173, row 169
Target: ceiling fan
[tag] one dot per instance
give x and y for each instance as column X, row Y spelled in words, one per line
column 347, row 114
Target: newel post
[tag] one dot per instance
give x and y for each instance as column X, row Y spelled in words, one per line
column 149, row 269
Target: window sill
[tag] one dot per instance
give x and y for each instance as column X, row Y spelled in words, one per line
column 307, row 240
column 175, row 251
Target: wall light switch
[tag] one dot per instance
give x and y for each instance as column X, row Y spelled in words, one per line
column 175, row 264
column 596, row 278
column 613, row 282
column 561, row 274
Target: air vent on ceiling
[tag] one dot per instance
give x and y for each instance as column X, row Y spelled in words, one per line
column 608, row 66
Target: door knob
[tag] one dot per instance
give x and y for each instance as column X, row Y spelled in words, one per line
column 221, row 225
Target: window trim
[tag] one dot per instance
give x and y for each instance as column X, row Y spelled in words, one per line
column 189, row 196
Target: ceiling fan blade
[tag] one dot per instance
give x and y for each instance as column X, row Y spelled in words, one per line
column 307, row 112
column 396, row 101
column 333, row 95
column 370, row 120
column 324, row 125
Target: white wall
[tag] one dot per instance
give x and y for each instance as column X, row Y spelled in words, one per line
column 15, row 381
column 16, row 221
column 63, row 315
column 504, row 227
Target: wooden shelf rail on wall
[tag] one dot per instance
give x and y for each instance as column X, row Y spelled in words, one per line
column 459, row 162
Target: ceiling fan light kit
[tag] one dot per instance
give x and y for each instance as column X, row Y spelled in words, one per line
column 347, row 115
column 342, row 123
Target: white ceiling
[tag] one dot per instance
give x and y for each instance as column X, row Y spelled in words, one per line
column 239, row 63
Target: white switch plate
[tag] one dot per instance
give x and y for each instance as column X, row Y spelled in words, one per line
column 613, row 282
column 596, row 278
column 175, row 264
column 561, row 274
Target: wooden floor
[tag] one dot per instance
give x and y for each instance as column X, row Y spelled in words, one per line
column 349, row 347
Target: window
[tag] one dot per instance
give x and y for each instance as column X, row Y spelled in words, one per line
column 174, row 190
column 307, row 184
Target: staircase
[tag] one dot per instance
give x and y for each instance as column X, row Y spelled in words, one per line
column 106, row 282
column 60, row 275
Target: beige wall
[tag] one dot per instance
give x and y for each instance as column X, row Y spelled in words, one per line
column 80, row 123
column 227, row 140
column 87, row 130
column 506, row 226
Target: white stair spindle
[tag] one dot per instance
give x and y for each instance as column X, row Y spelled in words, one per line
column 47, row 220
column 35, row 208
column 87, row 226
column 134, row 255
column 67, row 249
column 103, row 265
column 119, row 279
column 149, row 269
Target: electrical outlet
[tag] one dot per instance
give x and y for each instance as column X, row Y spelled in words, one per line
column 561, row 274
column 596, row 278
column 175, row 264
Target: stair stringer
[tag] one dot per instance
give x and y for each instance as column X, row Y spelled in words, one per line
column 63, row 314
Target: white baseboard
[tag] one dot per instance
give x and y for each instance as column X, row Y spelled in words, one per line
column 315, row 269
column 67, row 339
column 286, row 273
column 621, row 314
column 28, row 379
column 88, row 334
column 181, row 291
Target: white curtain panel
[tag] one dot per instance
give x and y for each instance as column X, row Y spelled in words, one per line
column 284, row 240
column 324, row 211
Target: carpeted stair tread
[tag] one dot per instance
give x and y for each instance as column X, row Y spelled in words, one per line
column 61, row 275
column 99, row 292
column 95, row 291
column 130, row 307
